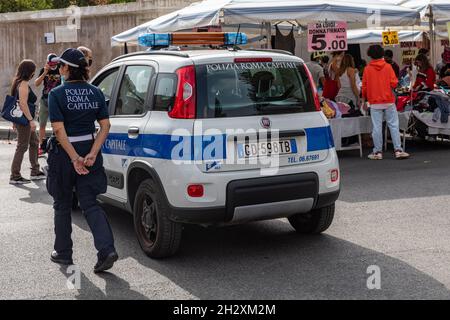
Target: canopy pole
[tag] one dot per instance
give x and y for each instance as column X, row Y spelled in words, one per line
column 269, row 34
column 432, row 35
column 125, row 47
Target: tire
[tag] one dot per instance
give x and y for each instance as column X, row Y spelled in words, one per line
column 313, row 222
column 158, row 236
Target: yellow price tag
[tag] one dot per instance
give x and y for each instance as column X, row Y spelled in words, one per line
column 390, row 38
column 319, row 54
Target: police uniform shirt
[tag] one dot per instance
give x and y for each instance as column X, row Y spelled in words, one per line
column 78, row 105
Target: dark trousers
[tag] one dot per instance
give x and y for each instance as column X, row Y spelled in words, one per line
column 62, row 180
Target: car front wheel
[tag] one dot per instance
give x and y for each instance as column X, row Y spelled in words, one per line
column 314, row 222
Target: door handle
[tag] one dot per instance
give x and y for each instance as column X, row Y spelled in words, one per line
column 133, row 131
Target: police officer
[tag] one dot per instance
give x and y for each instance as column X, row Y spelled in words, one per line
column 75, row 161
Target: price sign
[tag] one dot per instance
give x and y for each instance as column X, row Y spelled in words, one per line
column 408, row 56
column 327, row 36
column 390, row 38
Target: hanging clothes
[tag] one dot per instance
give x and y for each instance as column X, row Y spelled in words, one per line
column 283, row 42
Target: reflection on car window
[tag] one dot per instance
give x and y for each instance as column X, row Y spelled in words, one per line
column 165, row 92
column 106, row 84
column 133, row 90
column 235, row 90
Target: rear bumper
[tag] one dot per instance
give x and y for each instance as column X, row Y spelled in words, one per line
column 261, row 199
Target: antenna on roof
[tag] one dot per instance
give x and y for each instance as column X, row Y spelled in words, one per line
column 235, row 47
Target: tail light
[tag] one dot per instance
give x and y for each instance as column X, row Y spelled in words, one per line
column 195, row 190
column 314, row 89
column 185, row 99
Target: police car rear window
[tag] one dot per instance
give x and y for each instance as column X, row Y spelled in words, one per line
column 252, row 88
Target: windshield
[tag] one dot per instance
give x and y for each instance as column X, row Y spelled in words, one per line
column 252, row 88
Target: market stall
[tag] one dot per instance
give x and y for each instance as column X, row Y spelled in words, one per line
column 351, row 15
column 356, row 13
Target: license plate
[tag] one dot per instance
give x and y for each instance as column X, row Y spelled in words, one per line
column 266, row 148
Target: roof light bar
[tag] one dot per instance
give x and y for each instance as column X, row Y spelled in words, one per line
column 192, row 38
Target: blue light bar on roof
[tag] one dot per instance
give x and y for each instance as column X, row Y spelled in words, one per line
column 155, row 40
column 232, row 38
column 192, row 38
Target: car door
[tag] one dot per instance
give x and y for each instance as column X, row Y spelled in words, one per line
column 129, row 113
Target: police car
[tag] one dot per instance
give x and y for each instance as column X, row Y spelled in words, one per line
column 215, row 137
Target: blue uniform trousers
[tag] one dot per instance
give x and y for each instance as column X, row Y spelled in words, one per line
column 62, row 180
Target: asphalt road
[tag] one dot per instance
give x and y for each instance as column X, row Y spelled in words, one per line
column 391, row 214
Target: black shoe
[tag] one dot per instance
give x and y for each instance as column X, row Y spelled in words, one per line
column 106, row 263
column 40, row 176
column 20, row 180
column 57, row 259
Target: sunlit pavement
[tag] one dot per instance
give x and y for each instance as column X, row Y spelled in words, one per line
column 394, row 215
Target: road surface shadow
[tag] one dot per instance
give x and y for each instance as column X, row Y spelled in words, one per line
column 115, row 287
column 423, row 175
column 37, row 193
column 268, row 260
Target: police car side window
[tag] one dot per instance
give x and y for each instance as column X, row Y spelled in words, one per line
column 133, row 90
column 106, row 82
column 166, row 87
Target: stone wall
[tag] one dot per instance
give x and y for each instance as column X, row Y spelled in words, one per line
column 22, row 34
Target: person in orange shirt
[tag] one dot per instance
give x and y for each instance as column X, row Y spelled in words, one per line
column 379, row 81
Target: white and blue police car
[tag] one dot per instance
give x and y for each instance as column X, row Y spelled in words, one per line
column 215, row 137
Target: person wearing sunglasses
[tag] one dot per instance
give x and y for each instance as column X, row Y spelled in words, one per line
column 50, row 77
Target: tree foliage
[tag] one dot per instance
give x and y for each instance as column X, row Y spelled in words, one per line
column 28, row 5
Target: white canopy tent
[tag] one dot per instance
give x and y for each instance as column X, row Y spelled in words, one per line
column 434, row 13
column 358, row 13
column 439, row 8
column 374, row 35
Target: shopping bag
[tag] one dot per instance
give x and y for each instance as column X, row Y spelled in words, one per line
column 12, row 112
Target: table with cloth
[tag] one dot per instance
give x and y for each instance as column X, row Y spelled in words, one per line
column 434, row 128
column 348, row 127
column 356, row 126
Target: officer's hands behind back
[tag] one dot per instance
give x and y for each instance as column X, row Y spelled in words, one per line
column 89, row 159
column 80, row 167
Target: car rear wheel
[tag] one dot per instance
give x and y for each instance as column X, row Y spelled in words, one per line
column 158, row 236
column 313, row 222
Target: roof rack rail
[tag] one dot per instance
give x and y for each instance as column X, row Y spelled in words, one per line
column 158, row 52
column 271, row 50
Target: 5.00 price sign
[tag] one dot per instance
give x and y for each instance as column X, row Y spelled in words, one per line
column 327, row 36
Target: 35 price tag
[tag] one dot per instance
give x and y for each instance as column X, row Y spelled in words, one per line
column 390, row 38
column 327, row 36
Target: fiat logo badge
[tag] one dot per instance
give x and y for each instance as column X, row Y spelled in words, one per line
column 266, row 123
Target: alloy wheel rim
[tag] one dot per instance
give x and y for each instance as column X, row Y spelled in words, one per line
column 149, row 220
